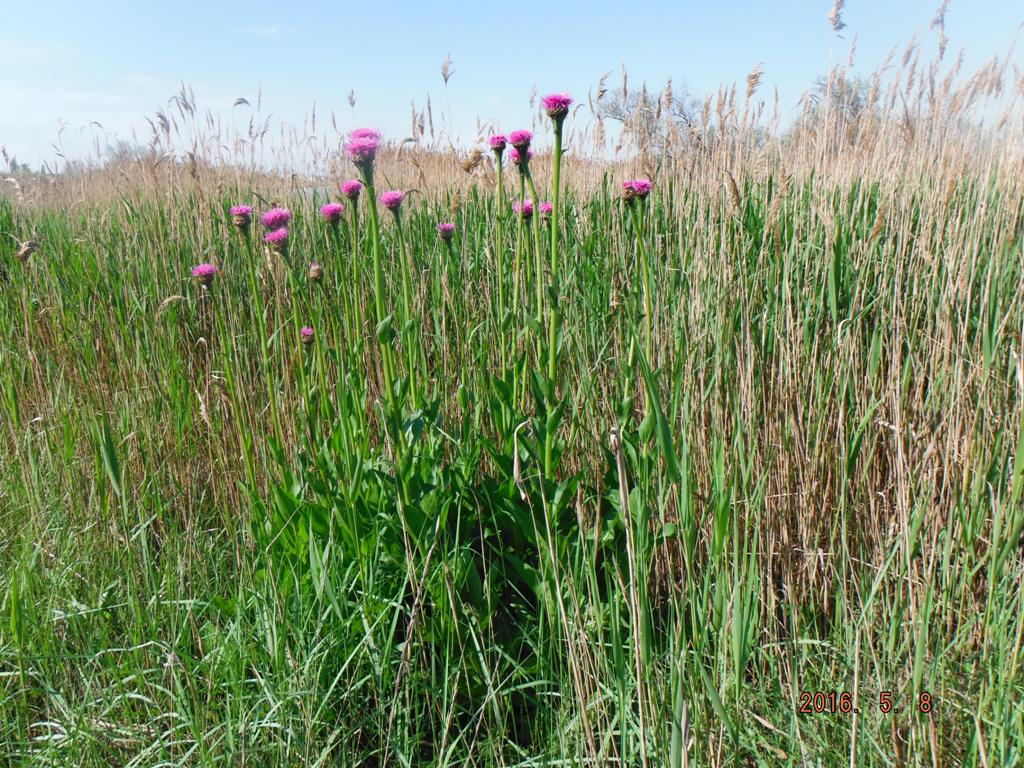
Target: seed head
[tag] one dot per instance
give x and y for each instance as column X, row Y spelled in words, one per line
column 351, row 189
column 332, row 212
column 204, row 273
column 636, row 189
column 276, row 218
column 362, row 147
column 316, row 272
column 26, row 249
column 277, row 240
column 392, row 200
column 520, row 139
column 241, row 216
column 557, row 105
column 525, row 209
column 514, row 155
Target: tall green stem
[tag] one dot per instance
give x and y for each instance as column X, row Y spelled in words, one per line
column 346, row 297
column 378, row 282
column 539, row 277
column 636, row 214
column 267, row 367
column 553, row 309
column 519, row 244
column 409, row 331
column 356, row 278
column 500, row 245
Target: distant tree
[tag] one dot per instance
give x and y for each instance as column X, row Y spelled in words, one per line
column 13, row 166
column 836, row 109
column 121, row 151
column 656, row 123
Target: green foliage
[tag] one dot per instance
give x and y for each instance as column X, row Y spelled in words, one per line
column 415, row 540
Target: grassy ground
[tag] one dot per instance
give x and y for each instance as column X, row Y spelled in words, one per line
column 778, row 450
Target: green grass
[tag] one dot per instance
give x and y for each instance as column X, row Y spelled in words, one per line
column 224, row 548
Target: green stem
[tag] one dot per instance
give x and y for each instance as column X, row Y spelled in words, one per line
column 553, row 318
column 539, row 277
column 346, row 297
column 519, row 244
column 409, row 331
column 378, row 284
column 500, row 250
column 356, row 277
column 261, row 325
column 637, row 216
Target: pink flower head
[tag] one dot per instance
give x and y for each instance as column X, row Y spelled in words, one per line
column 557, row 105
column 392, row 200
column 332, row 212
column 525, row 210
column 307, row 335
column 351, row 189
column 498, row 142
column 446, row 229
column 636, row 189
column 277, row 239
column 520, row 139
column 546, row 209
column 514, row 155
column 204, row 273
column 362, row 146
column 276, row 218
column 241, row 216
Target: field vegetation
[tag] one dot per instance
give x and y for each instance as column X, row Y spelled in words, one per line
column 424, row 480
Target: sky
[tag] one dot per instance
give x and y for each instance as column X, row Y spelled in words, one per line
column 76, row 64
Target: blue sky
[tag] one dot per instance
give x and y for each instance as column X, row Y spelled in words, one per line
column 116, row 62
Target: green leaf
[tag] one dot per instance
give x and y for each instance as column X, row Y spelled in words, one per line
column 108, row 454
column 661, row 427
column 385, row 330
column 17, row 612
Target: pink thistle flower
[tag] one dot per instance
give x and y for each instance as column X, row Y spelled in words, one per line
column 204, row 273
column 498, row 142
column 307, row 335
column 351, row 189
column 557, row 105
column 636, row 189
column 277, row 240
column 362, row 146
column 525, row 209
column 514, row 155
column 446, row 229
column 276, row 218
column 392, row 200
column 365, row 133
column 332, row 212
column 241, row 216
column 546, row 209
column 520, row 139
